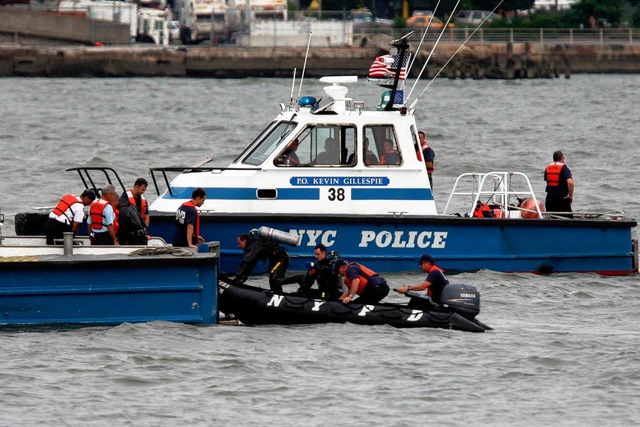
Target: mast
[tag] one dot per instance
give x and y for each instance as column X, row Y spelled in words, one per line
column 402, row 45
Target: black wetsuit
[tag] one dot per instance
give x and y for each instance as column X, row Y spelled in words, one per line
column 259, row 248
column 324, row 273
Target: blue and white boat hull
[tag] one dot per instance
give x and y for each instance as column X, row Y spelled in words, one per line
column 458, row 244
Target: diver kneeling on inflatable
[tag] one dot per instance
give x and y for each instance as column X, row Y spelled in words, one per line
column 369, row 285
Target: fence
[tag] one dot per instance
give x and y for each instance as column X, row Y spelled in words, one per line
column 516, row 35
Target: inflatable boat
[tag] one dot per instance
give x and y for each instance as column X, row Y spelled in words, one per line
column 252, row 305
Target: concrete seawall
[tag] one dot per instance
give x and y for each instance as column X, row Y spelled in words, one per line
column 502, row 61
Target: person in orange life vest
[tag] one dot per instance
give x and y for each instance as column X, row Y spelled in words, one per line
column 360, row 280
column 67, row 215
column 187, row 231
column 434, row 283
column 102, row 221
column 559, row 186
column 390, row 156
column 289, row 156
column 133, row 218
column 428, row 155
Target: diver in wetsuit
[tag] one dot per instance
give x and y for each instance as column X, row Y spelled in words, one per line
column 323, row 272
column 258, row 248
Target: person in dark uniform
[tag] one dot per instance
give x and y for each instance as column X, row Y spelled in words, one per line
column 187, row 231
column 133, row 217
column 324, row 273
column 258, row 248
column 433, row 284
column 428, row 155
column 559, row 186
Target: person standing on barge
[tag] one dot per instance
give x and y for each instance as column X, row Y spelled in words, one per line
column 102, row 221
column 559, row 186
column 187, row 231
column 133, row 217
column 67, row 215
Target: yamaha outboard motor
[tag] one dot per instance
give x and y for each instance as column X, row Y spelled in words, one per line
column 461, row 299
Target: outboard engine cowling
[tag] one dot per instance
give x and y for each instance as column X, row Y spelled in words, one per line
column 461, row 299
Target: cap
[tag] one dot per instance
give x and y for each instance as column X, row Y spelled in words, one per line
column 427, row 258
column 90, row 194
column 340, row 262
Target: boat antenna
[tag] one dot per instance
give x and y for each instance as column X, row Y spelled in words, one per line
column 422, row 40
column 413, row 104
column 402, row 45
column 433, row 49
column 304, row 67
column 293, row 84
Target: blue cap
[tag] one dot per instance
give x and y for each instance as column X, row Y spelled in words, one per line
column 340, row 262
column 427, row 258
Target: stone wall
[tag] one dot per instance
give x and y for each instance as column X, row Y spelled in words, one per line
column 503, row 61
column 16, row 24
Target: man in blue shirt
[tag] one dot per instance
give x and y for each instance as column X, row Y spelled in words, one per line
column 187, row 232
column 434, row 283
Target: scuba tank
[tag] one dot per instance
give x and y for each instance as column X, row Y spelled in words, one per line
column 277, row 235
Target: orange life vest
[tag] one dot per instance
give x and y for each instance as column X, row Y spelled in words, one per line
column 64, row 204
column 132, row 200
column 96, row 212
column 364, row 279
column 553, row 174
column 481, row 208
column 484, row 210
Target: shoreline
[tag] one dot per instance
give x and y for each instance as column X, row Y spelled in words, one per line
column 477, row 61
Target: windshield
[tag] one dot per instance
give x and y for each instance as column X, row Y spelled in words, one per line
column 268, row 142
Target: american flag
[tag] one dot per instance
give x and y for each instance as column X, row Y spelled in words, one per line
column 384, row 67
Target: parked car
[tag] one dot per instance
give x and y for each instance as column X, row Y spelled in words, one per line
column 421, row 21
column 473, row 18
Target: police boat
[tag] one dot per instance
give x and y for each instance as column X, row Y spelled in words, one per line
column 332, row 171
column 253, row 305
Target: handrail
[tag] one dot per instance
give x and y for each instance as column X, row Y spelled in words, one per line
column 500, row 192
column 87, row 180
column 570, row 36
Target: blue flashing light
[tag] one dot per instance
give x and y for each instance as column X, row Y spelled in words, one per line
column 307, row 101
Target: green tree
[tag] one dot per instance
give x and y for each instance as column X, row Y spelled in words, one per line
column 610, row 10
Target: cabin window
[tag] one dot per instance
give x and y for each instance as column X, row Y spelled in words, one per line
column 380, row 146
column 268, row 142
column 320, row 146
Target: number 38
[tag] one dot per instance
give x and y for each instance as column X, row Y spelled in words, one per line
column 336, row 194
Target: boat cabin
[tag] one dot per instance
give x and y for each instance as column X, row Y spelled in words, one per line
column 332, row 157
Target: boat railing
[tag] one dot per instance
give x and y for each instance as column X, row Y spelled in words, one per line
column 176, row 170
column 87, row 175
column 500, row 193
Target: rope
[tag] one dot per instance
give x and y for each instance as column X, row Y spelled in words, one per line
column 169, row 250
